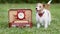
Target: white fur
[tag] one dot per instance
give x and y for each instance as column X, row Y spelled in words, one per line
column 44, row 20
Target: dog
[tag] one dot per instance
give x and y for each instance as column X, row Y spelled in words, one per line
column 43, row 15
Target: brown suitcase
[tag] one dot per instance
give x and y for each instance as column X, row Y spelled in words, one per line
column 20, row 17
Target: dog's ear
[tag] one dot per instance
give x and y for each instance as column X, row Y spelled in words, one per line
column 43, row 5
column 47, row 6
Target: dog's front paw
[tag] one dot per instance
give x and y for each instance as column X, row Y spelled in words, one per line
column 38, row 25
column 46, row 26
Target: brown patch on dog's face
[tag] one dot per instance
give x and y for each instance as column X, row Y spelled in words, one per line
column 39, row 6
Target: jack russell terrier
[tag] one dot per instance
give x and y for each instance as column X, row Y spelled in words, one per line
column 43, row 15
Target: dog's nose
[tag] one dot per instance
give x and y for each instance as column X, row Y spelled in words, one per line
column 36, row 8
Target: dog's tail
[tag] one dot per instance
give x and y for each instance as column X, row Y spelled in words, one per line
column 49, row 2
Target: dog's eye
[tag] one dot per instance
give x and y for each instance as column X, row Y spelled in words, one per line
column 39, row 6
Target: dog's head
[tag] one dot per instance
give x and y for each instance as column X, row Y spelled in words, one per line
column 39, row 7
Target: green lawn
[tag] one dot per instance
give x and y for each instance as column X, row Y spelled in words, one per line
column 54, row 28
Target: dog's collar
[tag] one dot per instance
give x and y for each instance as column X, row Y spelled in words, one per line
column 41, row 14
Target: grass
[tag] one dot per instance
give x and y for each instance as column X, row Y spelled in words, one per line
column 54, row 28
